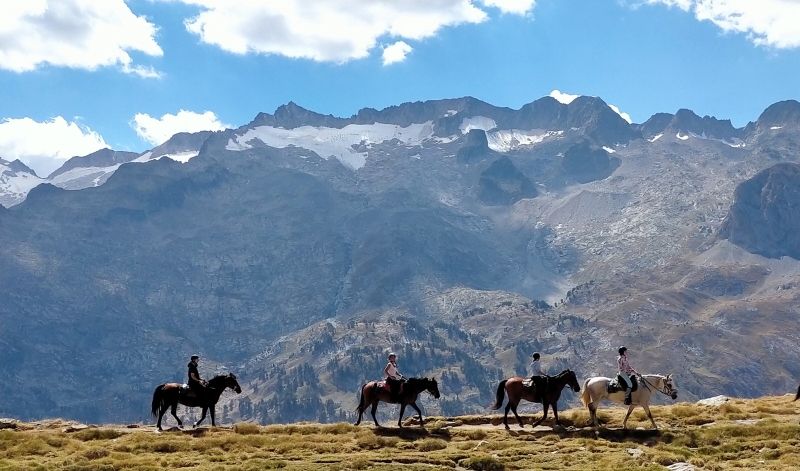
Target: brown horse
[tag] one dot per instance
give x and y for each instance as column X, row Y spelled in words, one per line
column 549, row 397
column 373, row 392
column 169, row 395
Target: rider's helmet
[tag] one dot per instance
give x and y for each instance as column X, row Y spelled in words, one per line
column 195, row 357
column 622, row 349
column 536, row 356
column 392, row 355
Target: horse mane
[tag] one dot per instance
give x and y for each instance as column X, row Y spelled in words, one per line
column 217, row 379
column 419, row 380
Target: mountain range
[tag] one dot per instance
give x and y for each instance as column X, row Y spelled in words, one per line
column 300, row 248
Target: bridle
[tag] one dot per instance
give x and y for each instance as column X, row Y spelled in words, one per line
column 667, row 391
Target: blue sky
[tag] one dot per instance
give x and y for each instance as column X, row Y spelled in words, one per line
column 78, row 75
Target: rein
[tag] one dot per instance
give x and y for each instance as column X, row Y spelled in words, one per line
column 647, row 384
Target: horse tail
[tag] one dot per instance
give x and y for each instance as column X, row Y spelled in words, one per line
column 158, row 401
column 361, row 406
column 586, row 397
column 501, row 394
column 798, row 394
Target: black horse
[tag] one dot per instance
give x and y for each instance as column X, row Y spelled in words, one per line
column 169, row 395
column 548, row 398
column 373, row 392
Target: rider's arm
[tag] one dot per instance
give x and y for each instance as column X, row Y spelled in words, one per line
column 196, row 377
column 386, row 370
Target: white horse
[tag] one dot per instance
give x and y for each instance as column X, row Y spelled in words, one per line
column 596, row 389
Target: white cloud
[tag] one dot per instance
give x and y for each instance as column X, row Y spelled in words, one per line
column 83, row 34
column 47, row 145
column 395, row 53
column 517, row 7
column 773, row 23
column 623, row 115
column 564, row 98
column 330, row 30
column 157, row 130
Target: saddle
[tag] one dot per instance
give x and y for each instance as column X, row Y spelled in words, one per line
column 619, row 384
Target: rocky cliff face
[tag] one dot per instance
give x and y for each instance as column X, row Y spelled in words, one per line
column 765, row 215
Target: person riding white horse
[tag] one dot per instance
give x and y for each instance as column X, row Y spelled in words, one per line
column 595, row 390
column 625, row 371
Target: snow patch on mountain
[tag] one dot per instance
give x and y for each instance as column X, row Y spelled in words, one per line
column 83, row 177
column 506, row 140
column 477, row 122
column 181, row 157
column 14, row 185
column 608, row 149
column 332, row 142
column 656, row 137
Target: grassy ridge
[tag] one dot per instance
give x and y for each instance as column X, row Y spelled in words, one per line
column 741, row 434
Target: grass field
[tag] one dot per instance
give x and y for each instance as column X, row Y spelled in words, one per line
column 739, row 435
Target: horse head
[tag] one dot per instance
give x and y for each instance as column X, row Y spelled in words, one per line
column 432, row 387
column 225, row 381
column 572, row 381
column 669, row 387
column 233, row 383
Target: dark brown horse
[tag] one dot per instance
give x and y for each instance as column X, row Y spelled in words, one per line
column 549, row 397
column 169, row 395
column 373, row 392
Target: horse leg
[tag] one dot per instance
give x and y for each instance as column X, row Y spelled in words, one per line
column 592, row 414
column 375, row 408
column 505, row 417
column 402, row 411
column 545, row 405
column 630, row 409
column 202, row 416
column 419, row 413
column 211, row 411
column 514, row 409
column 160, row 415
column 649, row 415
column 174, row 412
column 555, row 412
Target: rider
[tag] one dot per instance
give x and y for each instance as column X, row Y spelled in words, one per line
column 625, row 371
column 197, row 384
column 538, row 376
column 393, row 377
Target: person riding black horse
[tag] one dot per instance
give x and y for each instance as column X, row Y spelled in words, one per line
column 394, row 378
column 538, row 377
column 196, row 383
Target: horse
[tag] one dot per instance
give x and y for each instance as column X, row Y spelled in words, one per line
column 549, row 397
column 373, row 392
column 596, row 389
column 169, row 395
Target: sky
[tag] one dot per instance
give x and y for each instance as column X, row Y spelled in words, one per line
column 80, row 75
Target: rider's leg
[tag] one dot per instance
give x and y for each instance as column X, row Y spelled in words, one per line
column 628, row 381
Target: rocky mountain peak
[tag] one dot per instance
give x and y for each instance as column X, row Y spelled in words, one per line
column 765, row 215
column 475, row 147
column 17, row 167
column 292, row 115
column 101, row 158
column 780, row 114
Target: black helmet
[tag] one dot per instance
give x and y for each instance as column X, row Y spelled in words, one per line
column 195, row 357
column 536, row 356
column 622, row 349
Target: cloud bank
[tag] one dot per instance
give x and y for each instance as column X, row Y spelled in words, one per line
column 333, row 30
column 772, row 23
column 82, row 34
column 45, row 146
column 157, row 130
